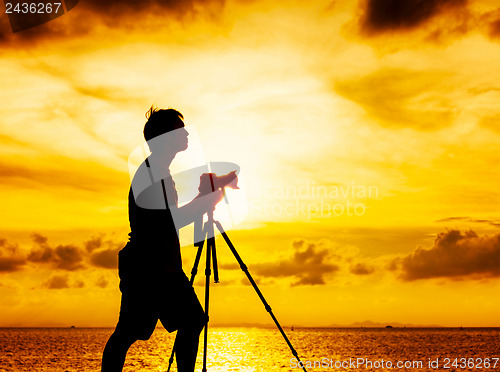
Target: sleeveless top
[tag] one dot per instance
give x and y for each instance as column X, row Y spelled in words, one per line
column 154, row 239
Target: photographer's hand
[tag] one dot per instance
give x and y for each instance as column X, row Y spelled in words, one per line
column 198, row 206
column 213, row 199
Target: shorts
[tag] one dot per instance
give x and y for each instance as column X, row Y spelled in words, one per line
column 170, row 299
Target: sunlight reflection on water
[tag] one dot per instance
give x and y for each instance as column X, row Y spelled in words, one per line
column 247, row 349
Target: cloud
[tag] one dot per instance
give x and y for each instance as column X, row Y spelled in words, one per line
column 495, row 29
column 41, row 255
column 39, row 239
column 112, row 14
column 229, row 266
column 103, row 253
column 6, row 246
column 361, row 268
column 107, row 258
column 10, row 260
column 57, row 282
column 118, row 7
column 309, row 265
column 102, row 282
column 490, row 22
column 392, row 25
column 11, row 264
column 399, row 98
column 396, row 15
column 62, row 282
column 65, row 257
column 454, row 255
column 495, row 223
column 68, row 257
column 93, row 243
column 97, row 251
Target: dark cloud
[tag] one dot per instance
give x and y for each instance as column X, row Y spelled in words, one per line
column 112, row 14
column 39, row 239
column 10, row 260
column 41, row 255
column 11, row 264
column 361, row 268
column 7, row 247
column 96, row 251
column 492, row 21
column 495, row 29
column 454, row 255
column 41, row 252
column 393, row 96
column 64, row 257
column 93, row 243
column 57, row 282
column 396, row 15
column 107, row 258
column 309, row 265
column 103, row 253
column 68, row 257
column 119, row 7
column 62, row 282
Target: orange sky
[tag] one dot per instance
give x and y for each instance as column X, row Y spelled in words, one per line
column 367, row 136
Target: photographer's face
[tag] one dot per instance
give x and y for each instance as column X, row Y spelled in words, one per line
column 170, row 143
column 180, row 139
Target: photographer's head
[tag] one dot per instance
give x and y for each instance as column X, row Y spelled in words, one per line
column 163, row 121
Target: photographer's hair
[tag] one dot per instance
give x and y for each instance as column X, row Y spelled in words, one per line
column 161, row 121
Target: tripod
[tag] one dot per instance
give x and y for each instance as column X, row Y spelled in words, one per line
column 208, row 235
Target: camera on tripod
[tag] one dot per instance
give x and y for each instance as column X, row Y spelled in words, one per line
column 209, row 182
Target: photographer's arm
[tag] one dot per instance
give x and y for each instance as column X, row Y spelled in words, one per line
column 200, row 205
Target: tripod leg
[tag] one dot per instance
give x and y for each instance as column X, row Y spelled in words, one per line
column 210, row 242
column 214, row 263
column 259, row 293
column 194, row 271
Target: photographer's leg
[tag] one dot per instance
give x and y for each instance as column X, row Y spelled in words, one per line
column 186, row 348
column 183, row 311
column 113, row 357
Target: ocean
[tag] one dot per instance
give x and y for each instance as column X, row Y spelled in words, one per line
column 263, row 349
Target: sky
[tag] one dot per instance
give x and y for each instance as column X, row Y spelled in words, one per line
column 366, row 132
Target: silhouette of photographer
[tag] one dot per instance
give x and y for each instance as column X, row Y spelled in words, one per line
column 152, row 281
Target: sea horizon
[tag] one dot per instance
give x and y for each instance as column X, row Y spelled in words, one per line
column 265, row 326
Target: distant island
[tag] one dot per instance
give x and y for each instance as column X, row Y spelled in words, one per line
column 370, row 324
